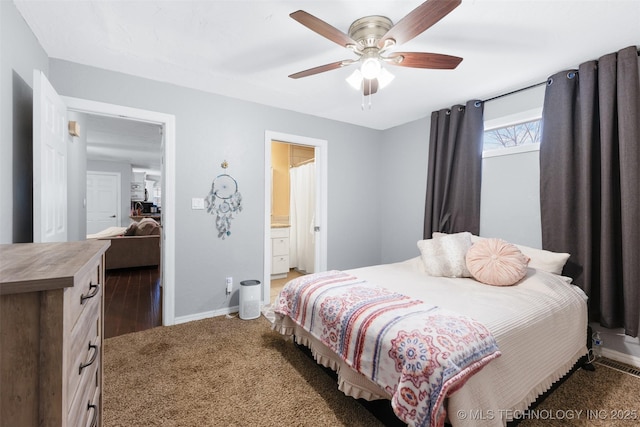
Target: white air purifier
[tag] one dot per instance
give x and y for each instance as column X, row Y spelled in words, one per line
column 250, row 299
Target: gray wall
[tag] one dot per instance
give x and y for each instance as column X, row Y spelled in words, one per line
column 20, row 54
column 510, row 199
column 403, row 186
column 212, row 128
column 124, row 169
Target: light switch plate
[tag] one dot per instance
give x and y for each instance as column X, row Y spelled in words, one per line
column 197, row 203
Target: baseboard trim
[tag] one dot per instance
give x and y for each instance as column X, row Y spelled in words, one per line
column 621, row 357
column 206, row 314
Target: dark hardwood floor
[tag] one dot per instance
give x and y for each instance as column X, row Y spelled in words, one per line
column 133, row 300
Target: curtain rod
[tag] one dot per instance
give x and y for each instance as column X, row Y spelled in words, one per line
column 515, row 91
column 524, row 88
column 302, row 163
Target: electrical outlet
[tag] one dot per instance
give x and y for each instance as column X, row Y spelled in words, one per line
column 229, row 284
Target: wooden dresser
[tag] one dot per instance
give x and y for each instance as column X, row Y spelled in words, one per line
column 51, row 333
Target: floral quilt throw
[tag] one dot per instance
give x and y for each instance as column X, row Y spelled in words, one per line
column 419, row 353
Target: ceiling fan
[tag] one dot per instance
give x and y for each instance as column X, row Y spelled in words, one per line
column 371, row 37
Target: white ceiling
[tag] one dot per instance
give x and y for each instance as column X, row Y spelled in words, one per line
column 246, row 49
column 117, row 139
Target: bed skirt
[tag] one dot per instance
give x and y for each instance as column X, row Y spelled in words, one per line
column 350, row 382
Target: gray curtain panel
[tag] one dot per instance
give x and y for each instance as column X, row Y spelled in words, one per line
column 590, row 182
column 454, row 170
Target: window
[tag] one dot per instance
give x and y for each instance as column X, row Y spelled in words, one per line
column 513, row 134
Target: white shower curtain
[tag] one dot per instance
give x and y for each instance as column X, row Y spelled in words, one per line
column 302, row 217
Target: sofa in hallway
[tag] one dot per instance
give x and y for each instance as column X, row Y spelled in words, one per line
column 135, row 246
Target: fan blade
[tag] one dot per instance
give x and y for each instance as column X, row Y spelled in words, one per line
column 322, row 28
column 321, row 69
column 418, row 20
column 434, row 61
column 370, row 86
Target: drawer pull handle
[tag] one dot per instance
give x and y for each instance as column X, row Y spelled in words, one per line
column 96, row 289
column 95, row 413
column 93, row 358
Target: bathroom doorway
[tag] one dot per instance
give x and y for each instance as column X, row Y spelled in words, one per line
column 295, row 207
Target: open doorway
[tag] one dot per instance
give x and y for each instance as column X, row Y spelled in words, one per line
column 164, row 125
column 295, row 219
column 124, row 191
column 292, row 212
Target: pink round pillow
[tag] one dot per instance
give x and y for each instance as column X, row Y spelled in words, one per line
column 496, row 262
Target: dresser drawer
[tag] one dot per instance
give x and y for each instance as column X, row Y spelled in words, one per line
column 280, row 246
column 78, row 297
column 85, row 343
column 86, row 407
column 95, row 412
column 280, row 264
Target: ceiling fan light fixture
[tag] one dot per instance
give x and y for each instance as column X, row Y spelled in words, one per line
column 385, row 78
column 370, row 68
column 355, row 79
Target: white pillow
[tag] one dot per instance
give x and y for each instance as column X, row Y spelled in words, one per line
column 445, row 256
column 540, row 259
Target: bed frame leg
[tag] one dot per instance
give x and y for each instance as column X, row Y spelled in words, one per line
column 588, row 366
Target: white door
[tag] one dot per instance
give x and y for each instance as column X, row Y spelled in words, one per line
column 103, row 201
column 49, row 162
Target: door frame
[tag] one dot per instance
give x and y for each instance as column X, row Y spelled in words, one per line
column 321, row 156
column 118, row 192
column 167, row 121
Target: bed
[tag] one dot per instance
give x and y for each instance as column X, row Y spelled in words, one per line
column 536, row 334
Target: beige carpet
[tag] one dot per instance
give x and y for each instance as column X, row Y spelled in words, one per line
column 219, row 372
column 232, row 372
column 605, row 397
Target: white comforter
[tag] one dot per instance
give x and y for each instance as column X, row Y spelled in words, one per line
column 539, row 324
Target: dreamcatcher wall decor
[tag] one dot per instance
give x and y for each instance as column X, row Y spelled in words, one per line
column 224, row 201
